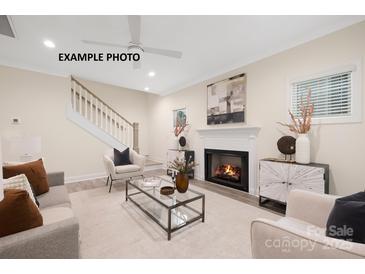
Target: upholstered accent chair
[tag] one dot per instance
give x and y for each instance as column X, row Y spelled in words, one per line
column 301, row 234
column 124, row 172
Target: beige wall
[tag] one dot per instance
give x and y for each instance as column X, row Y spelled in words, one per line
column 342, row 146
column 39, row 100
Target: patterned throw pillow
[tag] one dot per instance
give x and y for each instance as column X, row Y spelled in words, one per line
column 20, row 182
column 35, row 172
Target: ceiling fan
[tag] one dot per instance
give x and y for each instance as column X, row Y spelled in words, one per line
column 135, row 44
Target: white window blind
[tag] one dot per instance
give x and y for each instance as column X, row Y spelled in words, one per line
column 331, row 95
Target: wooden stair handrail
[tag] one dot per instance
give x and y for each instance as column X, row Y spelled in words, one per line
column 101, row 100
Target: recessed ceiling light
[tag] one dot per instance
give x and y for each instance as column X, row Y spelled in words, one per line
column 49, row 44
column 146, row 88
column 151, row 74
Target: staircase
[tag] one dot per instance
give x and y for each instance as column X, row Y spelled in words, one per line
column 92, row 114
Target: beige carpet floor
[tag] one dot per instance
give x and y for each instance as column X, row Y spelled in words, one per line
column 110, row 227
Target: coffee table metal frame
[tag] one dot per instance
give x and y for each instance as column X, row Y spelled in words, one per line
column 168, row 229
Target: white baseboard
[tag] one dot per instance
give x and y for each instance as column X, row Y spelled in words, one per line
column 85, row 177
column 153, row 167
column 80, row 178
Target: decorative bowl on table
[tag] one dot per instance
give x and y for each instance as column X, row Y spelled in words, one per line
column 151, row 182
column 167, row 190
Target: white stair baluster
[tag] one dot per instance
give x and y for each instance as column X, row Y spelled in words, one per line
column 75, row 97
column 98, row 112
column 88, row 105
column 130, row 136
column 124, row 136
column 79, row 97
column 101, row 115
column 85, row 103
column 92, row 100
column 72, row 95
column 105, row 115
column 115, row 125
column 111, row 122
column 119, row 129
column 126, row 133
column 80, row 101
column 128, row 130
column 107, row 120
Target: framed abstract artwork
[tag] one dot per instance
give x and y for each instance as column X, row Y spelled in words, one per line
column 227, row 101
column 179, row 116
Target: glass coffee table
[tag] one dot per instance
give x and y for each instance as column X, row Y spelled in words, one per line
column 171, row 212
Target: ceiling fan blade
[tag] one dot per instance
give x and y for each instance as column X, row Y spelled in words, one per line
column 165, row 52
column 134, row 22
column 137, row 64
column 104, row 44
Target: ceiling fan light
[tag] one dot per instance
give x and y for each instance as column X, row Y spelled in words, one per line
column 49, row 44
column 135, row 49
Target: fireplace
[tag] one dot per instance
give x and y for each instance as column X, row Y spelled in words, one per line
column 227, row 167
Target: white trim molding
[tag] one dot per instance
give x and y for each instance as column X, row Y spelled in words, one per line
column 85, row 177
column 231, row 138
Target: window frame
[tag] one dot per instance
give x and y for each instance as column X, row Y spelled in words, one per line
column 356, row 93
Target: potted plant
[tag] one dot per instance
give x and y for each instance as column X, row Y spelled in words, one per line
column 301, row 126
column 183, row 168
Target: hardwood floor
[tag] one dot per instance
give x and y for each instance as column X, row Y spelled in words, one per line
column 237, row 195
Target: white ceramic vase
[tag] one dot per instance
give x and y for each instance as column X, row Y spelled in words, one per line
column 302, row 149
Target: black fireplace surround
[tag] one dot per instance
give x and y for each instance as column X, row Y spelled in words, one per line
column 217, row 160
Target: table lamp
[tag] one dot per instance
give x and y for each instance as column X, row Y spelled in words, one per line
column 21, row 148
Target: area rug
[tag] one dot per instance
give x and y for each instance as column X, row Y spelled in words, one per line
column 110, row 227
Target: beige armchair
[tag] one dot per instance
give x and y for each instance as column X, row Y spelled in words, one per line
column 301, row 233
column 123, row 172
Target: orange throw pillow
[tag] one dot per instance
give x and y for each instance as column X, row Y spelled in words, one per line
column 18, row 212
column 35, row 173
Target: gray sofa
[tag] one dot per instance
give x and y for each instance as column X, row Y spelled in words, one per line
column 57, row 238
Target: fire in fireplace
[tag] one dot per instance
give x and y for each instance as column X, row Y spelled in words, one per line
column 228, row 172
column 227, row 167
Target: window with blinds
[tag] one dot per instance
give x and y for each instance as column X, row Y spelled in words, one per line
column 331, row 95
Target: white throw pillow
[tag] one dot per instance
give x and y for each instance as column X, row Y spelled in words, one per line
column 15, row 163
column 19, row 182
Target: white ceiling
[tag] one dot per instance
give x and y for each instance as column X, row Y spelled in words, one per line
column 210, row 44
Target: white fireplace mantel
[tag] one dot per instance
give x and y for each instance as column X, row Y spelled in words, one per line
column 232, row 138
column 250, row 131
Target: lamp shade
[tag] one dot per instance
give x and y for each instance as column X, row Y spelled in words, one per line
column 21, row 148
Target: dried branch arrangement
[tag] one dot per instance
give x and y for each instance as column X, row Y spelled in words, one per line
column 183, row 166
column 303, row 123
column 179, row 128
